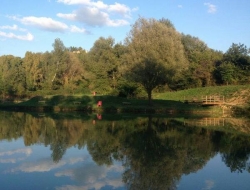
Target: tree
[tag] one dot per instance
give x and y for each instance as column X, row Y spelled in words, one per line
column 226, row 72
column 150, row 74
column 167, row 22
column 155, row 54
column 61, row 64
column 48, row 68
column 104, row 64
column 74, row 74
column 32, row 69
column 202, row 61
column 238, row 54
column 5, row 75
column 59, row 48
column 11, row 76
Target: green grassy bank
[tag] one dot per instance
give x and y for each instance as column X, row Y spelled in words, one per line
column 229, row 92
column 169, row 102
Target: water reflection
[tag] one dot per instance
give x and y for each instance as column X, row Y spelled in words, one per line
column 94, row 152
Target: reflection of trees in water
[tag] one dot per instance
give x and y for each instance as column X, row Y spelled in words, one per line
column 103, row 145
column 155, row 152
column 58, row 150
column 58, row 134
column 158, row 156
column 11, row 125
column 236, row 146
column 150, row 163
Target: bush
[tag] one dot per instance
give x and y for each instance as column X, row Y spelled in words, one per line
column 127, row 90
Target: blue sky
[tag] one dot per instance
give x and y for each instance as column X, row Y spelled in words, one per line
column 33, row 25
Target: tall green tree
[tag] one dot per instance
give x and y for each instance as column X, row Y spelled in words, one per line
column 4, row 75
column 61, row 64
column 32, row 66
column 48, row 71
column 155, row 54
column 12, row 76
column 104, row 62
column 74, row 75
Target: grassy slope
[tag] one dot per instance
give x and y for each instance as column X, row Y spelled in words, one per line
column 227, row 91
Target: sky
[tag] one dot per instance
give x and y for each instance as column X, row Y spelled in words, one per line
column 33, row 25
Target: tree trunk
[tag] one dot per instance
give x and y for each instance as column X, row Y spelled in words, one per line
column 149, row 97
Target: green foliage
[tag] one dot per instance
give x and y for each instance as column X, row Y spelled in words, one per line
column 149, row 73
column 155, row 54
column 104, row 64
column 12, row 76
column 127, row 90
column 130, row 90
column 234, row 66
column 227, row 73
column 167, row 22
column 202, row 61
column 238, row 54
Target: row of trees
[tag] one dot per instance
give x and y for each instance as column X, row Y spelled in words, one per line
column 154, row 56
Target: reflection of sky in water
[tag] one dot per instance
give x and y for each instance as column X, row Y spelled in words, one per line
column 31, row 167
column 214, row 176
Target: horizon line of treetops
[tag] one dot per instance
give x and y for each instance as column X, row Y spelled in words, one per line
column 153, row 57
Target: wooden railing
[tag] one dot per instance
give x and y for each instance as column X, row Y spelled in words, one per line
column 207, row 100
column 212, row 100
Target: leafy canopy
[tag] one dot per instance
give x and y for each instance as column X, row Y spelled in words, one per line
column 155, row 54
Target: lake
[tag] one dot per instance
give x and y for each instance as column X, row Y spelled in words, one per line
column 80, row 151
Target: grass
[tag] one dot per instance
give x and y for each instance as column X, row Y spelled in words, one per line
column 226, row 91
column 162, row 102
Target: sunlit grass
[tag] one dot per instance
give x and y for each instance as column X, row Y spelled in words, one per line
column 226, row 91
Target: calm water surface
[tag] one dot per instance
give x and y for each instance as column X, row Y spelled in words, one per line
column 76, row 151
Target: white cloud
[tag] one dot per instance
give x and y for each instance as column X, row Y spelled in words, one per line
column 47, row 24
column 42, row 166
column 73, row 2
column 26, row 151
column 209, row 185
column 120, row 8
column 180, row 6
column 27, row 37
column 45, row 165
column 13, row 27
column 92, row 16
column 44, row 23
column 93, row 177
column 75, row 29
column 97, row 13
column 5, row 157
column 77, row 160
column 11, row 160
column 90, row 13
column 211, row 8
column 117, row 7
column 71, row 16
column 114, row 183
